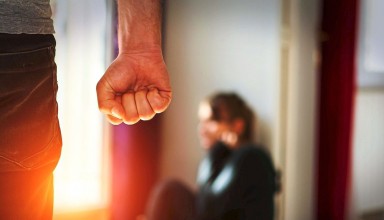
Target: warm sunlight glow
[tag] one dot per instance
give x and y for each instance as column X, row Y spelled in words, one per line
column 81, row 177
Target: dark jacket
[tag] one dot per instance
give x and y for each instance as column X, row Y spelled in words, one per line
column 236, row 184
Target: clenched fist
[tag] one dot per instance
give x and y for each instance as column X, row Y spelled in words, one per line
column 135, row 86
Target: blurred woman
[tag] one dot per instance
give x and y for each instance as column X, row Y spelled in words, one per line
column 236, row 179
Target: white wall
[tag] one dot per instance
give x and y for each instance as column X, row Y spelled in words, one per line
column 218, row 45
column 368, row 163
column 368, row 152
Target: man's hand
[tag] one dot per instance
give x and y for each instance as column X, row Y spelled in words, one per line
column 135, row 86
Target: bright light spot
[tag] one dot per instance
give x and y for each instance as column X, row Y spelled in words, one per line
column 223, row 180
column 81, row 177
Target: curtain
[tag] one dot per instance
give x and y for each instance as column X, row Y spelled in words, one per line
column 135, row 151
column 336, row 102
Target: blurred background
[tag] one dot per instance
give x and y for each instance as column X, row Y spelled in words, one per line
column 312, row 70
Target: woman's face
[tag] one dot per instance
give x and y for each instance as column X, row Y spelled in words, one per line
column 210, row 131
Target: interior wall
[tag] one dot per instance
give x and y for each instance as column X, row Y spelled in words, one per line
column 368, row 152
column 368, row 172
column 218, row 45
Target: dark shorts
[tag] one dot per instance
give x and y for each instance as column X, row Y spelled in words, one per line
column 30, row 138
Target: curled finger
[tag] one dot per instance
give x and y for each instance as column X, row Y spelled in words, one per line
column 131, row 115
column 143, row 107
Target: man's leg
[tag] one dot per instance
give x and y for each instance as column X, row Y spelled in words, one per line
column 30, row 139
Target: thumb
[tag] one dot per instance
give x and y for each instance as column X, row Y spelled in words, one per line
column 109, row 103
column 111, row 107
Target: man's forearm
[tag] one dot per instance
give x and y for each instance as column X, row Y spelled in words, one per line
column 139, row 25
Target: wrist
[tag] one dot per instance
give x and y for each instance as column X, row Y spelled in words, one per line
column 138, row 40
column 139, row 25
column 139, row 48
column 144, row 51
